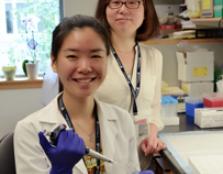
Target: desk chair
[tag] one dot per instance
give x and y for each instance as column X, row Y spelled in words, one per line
column 7, row 162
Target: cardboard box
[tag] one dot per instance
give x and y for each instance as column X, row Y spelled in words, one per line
column 195, row 66
column 197, row 89
column 218, row 8
column 207, row 8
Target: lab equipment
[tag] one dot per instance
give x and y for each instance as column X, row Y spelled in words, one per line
column 54, row 136
column 209, row 117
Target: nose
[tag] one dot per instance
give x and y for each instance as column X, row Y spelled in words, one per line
column 123, row 8
column 84, row 65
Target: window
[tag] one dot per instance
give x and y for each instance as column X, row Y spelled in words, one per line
column 26, row 27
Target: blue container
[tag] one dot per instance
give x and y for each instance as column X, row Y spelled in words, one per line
column 190, row 107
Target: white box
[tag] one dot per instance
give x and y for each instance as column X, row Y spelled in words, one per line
column 209, row 117
column 195, row 66
column 196, row 89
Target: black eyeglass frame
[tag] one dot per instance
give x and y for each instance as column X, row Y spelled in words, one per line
column 125, row 3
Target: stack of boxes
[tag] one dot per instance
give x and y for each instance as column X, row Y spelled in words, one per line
column 196, row 74
column 211, row 115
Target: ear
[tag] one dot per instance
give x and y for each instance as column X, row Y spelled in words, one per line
column 53, row 64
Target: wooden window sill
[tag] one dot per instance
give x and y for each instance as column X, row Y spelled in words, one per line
column 21, row 83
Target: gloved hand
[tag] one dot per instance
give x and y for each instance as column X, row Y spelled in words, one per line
column 146, row 172
column 70, row 148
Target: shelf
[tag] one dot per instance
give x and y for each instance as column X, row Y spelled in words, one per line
column 206, row 19
column 208, row 22
column 20, row 83
column 176, row 41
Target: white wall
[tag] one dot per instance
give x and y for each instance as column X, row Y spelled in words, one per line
column 73, row 7
column 15, row 105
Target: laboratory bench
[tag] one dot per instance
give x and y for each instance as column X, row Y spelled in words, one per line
column 165, row 163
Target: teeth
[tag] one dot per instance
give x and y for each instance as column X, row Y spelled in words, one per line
column 84, row 80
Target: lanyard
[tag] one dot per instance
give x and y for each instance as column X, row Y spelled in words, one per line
column 66, row 116
column 135, row 91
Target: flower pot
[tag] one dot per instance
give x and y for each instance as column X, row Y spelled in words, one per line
column 9, row 72
column 32, row 70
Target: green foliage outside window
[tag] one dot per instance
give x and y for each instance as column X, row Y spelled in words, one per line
column 48, row 14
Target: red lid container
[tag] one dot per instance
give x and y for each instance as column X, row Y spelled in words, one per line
column 212, row 102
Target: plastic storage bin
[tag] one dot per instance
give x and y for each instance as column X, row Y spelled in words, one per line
column 169, row 110
column 192, row 104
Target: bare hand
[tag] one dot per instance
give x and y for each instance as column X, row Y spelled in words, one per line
column 151, row 145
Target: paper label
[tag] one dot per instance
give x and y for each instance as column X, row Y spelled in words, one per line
column 200, row 71
column 206, row 4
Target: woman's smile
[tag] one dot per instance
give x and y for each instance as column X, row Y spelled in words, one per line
column 84, row 80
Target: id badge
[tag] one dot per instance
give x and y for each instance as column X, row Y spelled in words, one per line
column 141, row 126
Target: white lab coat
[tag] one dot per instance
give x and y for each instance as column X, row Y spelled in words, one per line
column 148, row 100
column 117, row 137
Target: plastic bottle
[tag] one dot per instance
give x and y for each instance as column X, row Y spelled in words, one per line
column 220, row 85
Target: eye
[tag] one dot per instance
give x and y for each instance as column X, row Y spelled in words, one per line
column 96, row 56
column 71, row 56
column 116, row 2
column 132, row 2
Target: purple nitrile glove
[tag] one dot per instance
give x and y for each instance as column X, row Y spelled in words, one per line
column 70, row 148
column 146, row 172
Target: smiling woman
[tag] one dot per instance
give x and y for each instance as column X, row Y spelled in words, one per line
column 81, row 63
column 136, row 67
column 80, row 49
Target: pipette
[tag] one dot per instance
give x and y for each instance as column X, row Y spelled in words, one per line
column 54, row 136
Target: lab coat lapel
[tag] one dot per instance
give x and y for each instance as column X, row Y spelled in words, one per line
column 108, row 134
column 51, row 116
column 80, row 166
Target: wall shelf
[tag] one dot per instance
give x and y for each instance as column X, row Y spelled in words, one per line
column 208, row 22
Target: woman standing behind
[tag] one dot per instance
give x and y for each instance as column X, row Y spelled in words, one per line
column 133, row 81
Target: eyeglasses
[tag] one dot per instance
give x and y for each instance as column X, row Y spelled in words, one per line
column 131, row 4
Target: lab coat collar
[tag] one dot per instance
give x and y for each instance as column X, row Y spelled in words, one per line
column 53, row 114
column 57, row 117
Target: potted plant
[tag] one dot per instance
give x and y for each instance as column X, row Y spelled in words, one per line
column 9, row 70
column 30, row 67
